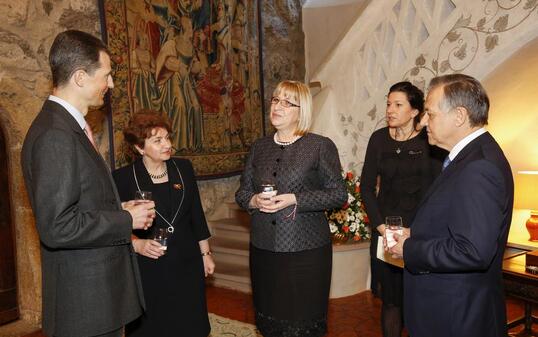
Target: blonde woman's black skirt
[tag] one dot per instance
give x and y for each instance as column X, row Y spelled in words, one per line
column 291, row 291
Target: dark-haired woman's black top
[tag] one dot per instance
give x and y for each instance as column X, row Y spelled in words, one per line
column 405, row 170
column 174, row 284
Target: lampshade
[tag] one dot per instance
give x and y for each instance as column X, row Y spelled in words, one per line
column 526, row 190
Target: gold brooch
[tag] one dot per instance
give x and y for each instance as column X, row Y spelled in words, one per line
column 177, row 186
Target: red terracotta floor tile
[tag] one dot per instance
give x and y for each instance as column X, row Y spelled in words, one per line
column 352, row 316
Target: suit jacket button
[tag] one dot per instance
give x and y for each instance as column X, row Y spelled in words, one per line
column 274, row 174
column 273, row 222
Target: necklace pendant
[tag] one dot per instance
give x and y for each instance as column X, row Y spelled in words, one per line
column 398, row 150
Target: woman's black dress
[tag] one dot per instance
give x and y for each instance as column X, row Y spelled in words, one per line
column 405, row 170
column 174, row 284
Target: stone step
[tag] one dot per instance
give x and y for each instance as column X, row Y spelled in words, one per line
column 231, row 276
column 230, row 245
column 230, row 250
column 237, row 212
column 230, row 228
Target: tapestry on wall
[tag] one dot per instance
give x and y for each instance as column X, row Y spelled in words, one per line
column 197, row 61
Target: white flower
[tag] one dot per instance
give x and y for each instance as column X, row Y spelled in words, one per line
column 333, row 227
column 353, row 216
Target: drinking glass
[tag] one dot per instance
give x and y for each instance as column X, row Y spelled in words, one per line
column 161, row 236
column 393, row 225
column 268, row 190
column 143, row 195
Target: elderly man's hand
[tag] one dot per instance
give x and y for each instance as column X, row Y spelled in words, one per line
column 397, row 249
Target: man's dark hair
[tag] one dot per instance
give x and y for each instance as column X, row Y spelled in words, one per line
column 460, row 90
column 74, row 50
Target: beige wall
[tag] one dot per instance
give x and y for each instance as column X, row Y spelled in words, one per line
column 324, row 24
column 513, row 119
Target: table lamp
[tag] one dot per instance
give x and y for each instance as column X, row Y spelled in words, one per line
column 526, row 197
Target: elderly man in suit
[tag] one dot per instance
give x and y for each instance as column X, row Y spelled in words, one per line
column 91, row 285
column 453, row 256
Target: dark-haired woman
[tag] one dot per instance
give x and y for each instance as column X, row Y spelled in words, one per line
column 398, row 168
column 172, row 279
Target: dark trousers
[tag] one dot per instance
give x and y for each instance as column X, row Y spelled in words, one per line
column 114, row 333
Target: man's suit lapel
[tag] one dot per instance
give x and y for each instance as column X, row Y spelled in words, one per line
column 72, row 124
column 65, row 116
column 453, row 167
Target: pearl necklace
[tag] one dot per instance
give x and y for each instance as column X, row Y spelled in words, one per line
column 296, row 138
column 158, row 175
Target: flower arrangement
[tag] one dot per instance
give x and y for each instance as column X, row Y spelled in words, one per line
column 350, row 222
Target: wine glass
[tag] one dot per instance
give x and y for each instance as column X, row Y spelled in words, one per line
column 393, row 225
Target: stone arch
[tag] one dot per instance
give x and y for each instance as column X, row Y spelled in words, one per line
column 9, row 306
column 26, row 241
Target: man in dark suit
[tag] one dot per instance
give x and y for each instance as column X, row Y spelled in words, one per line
column 91, row 285
column 453, row 256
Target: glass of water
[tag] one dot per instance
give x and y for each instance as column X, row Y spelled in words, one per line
column 393, row 225
column 143, row 195
column 161, row 236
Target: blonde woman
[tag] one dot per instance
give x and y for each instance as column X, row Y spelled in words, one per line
column 291, row 253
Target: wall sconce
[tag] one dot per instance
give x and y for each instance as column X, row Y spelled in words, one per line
column 526, row 197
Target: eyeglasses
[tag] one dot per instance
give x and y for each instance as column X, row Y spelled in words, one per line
column 284, row 102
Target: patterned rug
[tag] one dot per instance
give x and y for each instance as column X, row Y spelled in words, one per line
column 225, row 327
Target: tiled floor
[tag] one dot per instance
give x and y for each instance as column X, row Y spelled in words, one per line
column 352, row 316
column 348, row 317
